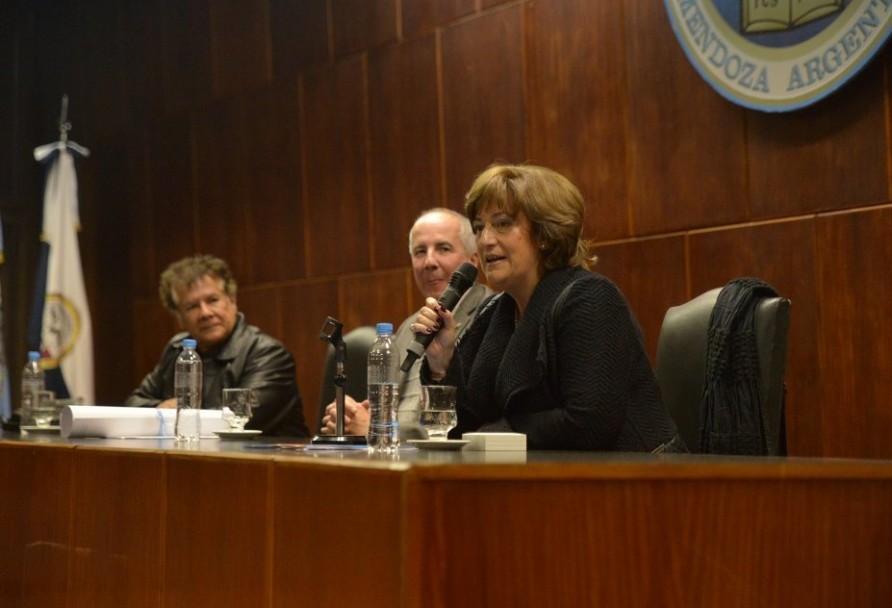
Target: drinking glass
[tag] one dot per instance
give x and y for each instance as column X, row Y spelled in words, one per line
column 44, row 411
column 237, row 407
column 437, row 410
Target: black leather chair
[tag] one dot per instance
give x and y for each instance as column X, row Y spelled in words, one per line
column 358, row 342
column 681, row 365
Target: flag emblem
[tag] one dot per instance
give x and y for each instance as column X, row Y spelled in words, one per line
column 61, row 328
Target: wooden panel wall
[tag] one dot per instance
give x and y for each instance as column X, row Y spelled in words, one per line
column 300, row 140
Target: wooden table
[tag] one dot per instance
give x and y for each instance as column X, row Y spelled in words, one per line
column 140, row 523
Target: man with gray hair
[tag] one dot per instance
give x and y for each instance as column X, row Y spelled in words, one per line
column 440, row 241
column 200, row 292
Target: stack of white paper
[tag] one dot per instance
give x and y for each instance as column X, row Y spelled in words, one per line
column 496, row 441
column 122, row 422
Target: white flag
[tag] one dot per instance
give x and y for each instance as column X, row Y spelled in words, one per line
column 67, row 333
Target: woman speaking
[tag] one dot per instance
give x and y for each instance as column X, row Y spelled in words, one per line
column 558, row 354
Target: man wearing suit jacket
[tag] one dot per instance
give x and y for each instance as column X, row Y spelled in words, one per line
column 440, row 241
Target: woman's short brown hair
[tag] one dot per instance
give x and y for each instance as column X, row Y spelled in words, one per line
column 549, row 200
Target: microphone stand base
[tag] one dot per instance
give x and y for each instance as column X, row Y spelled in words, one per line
column 339, row 440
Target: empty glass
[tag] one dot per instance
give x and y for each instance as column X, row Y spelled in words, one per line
column 238, row 406
column 437, row 410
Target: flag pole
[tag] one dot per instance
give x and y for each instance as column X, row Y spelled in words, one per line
column 41, row 152
column 64, row 125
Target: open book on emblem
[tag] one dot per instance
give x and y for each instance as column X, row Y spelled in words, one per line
column 779, row 15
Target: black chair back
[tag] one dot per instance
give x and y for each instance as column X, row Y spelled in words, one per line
column 681, row 365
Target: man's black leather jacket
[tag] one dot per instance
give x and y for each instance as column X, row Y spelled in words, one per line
column 249, row 359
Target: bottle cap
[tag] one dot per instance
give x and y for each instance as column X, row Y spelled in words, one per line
column 33, row 355
column 384, row 328
column 189, row 343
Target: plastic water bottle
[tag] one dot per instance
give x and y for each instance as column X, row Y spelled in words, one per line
column 187, row 390
column 32, row 382
column 383, row 367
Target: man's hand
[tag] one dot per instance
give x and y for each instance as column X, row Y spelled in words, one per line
column 356, row 417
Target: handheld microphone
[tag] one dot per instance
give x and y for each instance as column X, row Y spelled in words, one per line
column 460, row 281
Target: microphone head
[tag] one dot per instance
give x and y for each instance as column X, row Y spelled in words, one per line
column 463, row 276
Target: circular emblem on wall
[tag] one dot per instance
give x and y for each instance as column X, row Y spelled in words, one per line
column 61, row 329
column 779, row 55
